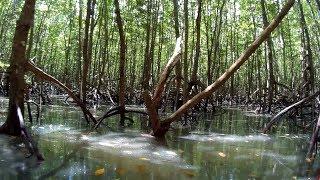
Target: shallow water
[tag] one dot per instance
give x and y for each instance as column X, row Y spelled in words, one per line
column 223, row 146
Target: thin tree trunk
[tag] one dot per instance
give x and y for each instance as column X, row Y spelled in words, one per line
column 271, row 80
column 147, row 62
column 307, row 63
column 122, row 63
column 185, row 53
column 79, row 74
column 197, row 54
column 178, row 65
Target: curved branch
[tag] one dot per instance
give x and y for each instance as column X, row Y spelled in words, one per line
column 43, row 75
column 276, row 118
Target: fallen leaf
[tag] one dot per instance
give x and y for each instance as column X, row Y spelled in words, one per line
column 99, row 172
column 221, row 154
column 180, row 151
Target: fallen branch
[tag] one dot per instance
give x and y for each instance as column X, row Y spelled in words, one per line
column 276, row 118
column 41, row 74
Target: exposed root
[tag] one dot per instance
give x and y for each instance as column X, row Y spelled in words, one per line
column 276, row 118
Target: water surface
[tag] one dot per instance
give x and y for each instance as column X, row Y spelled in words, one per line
column 226, row 145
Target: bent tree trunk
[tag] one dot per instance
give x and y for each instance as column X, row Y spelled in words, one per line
column 13, row 125
column 161, row 127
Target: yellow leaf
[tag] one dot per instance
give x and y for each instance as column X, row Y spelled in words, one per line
column 99, row 172
column 221, row 154
column 180, row 151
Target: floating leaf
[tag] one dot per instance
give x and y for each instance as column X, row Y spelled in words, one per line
column 99, row 172
column 180, row 151
column 144, row 159
column 221, row 154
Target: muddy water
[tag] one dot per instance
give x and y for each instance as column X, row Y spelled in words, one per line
column 227, row 145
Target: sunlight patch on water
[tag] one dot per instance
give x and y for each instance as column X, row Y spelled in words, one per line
column 224, row 138
column 75, row 169
column 47, row 129
column 136, row 146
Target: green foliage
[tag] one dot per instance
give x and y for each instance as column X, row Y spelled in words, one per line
column 56, row 37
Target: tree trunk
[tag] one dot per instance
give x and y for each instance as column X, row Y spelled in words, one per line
column 17, row 70
column 79, row 74
column 307, row 63
column 197, row 54
column 271, row 80
column 178, row 65
column 185, row 53
column 87, row 47
column 122, row 63
column 147, row 63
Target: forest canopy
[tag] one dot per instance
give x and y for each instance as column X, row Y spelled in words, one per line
column 226, row 29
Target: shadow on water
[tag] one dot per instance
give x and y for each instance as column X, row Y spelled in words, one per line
column 223, row 146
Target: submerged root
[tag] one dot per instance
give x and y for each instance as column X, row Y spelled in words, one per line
column 118, row 110
column 19, row 130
